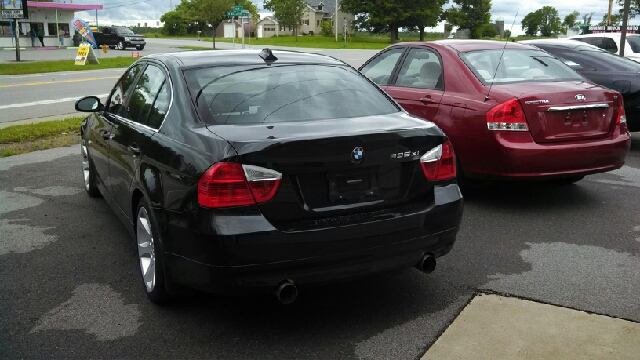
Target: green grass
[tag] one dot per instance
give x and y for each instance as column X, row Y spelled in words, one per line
column 37, row 67
column 30, row 132
column 196, row 48
column 323, row 42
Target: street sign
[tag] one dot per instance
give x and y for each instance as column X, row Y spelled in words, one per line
column 236, row 8
column 235, row 13
column 16, row 9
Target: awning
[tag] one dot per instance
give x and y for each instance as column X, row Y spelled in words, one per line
column 55, row 5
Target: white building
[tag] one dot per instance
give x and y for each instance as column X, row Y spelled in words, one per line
column 50, row 16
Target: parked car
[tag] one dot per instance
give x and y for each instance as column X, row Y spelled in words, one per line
column 261, row 171
column 611, row 43
column 510, row 110
column 601, row 67
column 119, row 38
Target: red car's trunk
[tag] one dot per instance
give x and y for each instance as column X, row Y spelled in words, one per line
column 566, row 111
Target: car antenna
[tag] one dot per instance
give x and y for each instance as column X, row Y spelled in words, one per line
column 501, row 55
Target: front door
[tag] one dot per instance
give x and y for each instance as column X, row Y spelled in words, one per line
column 419, row 85
column 380, row 68
column 131, row 133
column 114, row 113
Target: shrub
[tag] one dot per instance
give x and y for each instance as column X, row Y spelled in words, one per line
column 325, row 28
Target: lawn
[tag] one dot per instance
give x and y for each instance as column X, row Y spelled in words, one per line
column 196, row 48
column 37, row 67
column 324, row 42
column 20, row 139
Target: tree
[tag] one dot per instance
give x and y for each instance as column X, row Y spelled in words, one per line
column 469, row 14
column 544, row 20
column 507, row 34
column 424, row 13
column 326, row 29
column 570, row 20
column 174, row 23
column 531, row 23
column 551, row 23
column 616, row 20
column 382, row 16
column 634, row 9
column 288, row 12
column 206, row 13
column 489, row 30
column 586, row 18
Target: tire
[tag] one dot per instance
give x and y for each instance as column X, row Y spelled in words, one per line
column 150, row 254
column 121, row 46
column 112, row 47
column 89, row 173
column 139, row 47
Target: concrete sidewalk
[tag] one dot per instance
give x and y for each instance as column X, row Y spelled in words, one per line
column 497, row 327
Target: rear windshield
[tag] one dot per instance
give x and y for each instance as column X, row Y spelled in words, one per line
column 512, row 66
column 634, row 42
column 124, row 31
column 620, row 63
column 266, row 94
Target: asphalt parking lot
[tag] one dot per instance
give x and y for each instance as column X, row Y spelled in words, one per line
column 69, row 274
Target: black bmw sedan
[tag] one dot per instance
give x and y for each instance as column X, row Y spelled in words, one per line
column 253, row 171
column 601, row 67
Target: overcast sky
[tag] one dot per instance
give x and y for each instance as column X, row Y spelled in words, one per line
column 131, row 12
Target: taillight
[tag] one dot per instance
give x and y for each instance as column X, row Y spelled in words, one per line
column 228, row 184
column 439, row 163
column 507, row 116
column 622, row 116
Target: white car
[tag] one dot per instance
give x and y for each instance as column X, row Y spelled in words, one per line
column 611, row 43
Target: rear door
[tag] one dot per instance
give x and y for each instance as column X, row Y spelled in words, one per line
column 419, row 84
column 133, row 130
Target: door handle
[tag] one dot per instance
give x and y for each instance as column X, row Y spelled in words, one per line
column 135, row 150
column 427, row 100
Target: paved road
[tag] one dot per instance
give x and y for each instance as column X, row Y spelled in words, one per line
column 52, row 95
column 69, row 284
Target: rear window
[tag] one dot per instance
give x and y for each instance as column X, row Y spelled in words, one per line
column 283, row 93
column 634, row 42
column 512, row 66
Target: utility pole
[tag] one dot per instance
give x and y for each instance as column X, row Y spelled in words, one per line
column 171, row 5
column 609, row 13
column 625, row 18
column 335, row 21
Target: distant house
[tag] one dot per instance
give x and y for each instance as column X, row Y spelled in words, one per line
column 268, row 27
column 315, row 13
column 227, row 28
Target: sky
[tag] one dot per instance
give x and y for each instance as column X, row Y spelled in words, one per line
column 131, row 12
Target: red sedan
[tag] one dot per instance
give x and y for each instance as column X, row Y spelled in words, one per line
column 510, row 110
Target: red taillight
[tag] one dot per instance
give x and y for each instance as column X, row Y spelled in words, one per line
column 507, row 116
column 622, row 117
column 231, row 184
column 439, row 163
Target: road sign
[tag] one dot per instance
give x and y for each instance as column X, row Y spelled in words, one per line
column 236, row 8
column 16, row 9
column 235, row 14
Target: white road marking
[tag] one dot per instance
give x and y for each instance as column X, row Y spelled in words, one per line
column 46, row 102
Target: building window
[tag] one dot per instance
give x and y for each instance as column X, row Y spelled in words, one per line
column 5, row 28
column 306, row 22
column 320, row 7
column 53, row 30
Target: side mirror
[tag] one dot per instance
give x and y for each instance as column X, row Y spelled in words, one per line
column 89, row 104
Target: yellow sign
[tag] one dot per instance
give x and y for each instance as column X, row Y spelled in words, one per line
column 104, row 48
column 81, row 56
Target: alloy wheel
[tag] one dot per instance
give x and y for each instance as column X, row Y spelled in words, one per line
column 85, row 167
column 146, row 249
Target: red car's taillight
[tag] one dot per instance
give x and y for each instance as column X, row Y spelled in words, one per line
column 228, row 184
column 439, row 163
column 622, row 117
column 507, row 116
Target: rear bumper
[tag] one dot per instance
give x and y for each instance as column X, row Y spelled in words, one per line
column 246, row 254
column 516, row 155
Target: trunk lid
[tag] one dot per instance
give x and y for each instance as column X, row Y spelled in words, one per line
column 338, row 168
column 566, row 111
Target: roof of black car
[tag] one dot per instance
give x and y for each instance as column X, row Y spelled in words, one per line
column 189, row 59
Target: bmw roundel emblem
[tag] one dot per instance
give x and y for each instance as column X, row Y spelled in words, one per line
column 357, row 155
